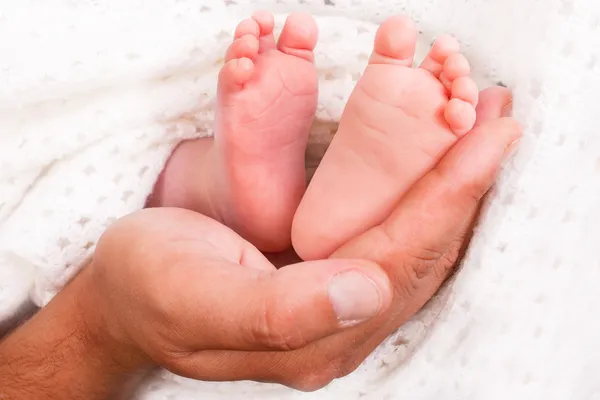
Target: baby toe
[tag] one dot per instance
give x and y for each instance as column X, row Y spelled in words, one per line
column 265, row 21
column 395, row 42
column 460, row 116
column 456, row 66
column 248, row 26
column 266, row 24
column 299, row 36
column 234, row 74
column 246, row 46
column 465, row 89
column 443, row 47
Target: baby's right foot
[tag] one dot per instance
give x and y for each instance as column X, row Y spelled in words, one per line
column 251, row 176
column 397, row 125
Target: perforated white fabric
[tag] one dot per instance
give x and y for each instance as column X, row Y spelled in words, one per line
column 94, row 95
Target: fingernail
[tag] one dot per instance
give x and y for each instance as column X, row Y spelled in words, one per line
column 507, row 110
column 355, row 298
column 511, row 149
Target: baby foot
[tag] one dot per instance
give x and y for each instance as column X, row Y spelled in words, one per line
column 267, row 99
column 398, row 123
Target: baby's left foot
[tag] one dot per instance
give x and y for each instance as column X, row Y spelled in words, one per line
column 398, row 123
column 267, row 99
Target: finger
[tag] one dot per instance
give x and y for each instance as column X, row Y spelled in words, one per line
column 208, row 288
column 296, row 369
column 435, row 217
column 308, row 369
column 447, row 196
column 437, row 211
column 460, row 203
column 444, row 202
column 427, row 225
column 230, row 307
column 494, row 102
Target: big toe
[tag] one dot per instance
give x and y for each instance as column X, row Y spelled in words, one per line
column 299, row 36
column 395, row 42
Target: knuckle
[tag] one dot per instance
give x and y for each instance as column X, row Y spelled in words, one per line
column 449, row 259
column 325, row 372
column 405, row 266
column 470, row 187
column 391, row 242
column 422, row 259
column 414, row 268
column 474, row 191
column 447, row 263
column 276, row 329
column 419, row 260
column 406, row 284
column 417, row 283
column 315, row 380
column 350, row 365
column 397, row 249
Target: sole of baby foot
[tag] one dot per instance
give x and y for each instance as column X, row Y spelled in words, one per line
column 398, row 123
column 267, row 98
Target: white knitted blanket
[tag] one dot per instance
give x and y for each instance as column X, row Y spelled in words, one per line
column 95, row 94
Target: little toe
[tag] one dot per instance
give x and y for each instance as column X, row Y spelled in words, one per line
column 456, row 66
column 266, row 24
column 235, row 74
column 465, row 89
column 247, row 27
column 395, row 42
column 460, row 116
column 443, row 47
column 246, row 46
column 299, row 36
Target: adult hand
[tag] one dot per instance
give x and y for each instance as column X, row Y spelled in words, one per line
column 176, row 289
column 418, row 246
column 184, row 290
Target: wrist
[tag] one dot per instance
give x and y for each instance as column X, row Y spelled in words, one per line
column 65, row 351
column 101, row 332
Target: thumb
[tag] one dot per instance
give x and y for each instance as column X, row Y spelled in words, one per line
column 238, row 308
